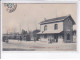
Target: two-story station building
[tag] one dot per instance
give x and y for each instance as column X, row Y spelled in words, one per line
column 57, row 28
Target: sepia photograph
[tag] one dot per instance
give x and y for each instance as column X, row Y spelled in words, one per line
column 39, row 26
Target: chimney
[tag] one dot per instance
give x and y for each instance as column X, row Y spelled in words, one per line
column 44, row 18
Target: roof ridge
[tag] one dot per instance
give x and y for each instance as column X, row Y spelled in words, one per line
column 58, row 17
column 53, row 19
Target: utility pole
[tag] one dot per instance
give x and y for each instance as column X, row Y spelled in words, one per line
column 36, row 25
column 28, row 29
column 20, row 28
column 14, row 30
column 7, row 31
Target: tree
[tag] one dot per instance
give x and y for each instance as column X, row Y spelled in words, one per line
column 24, row 34
column 36, row 37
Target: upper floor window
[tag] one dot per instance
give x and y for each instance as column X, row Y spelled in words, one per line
column 56, row 26
column 45, row 27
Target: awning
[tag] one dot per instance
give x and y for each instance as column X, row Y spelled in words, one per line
column 50, row 32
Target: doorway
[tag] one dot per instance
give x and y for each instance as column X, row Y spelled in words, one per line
column 68, row 36
column 56, row 37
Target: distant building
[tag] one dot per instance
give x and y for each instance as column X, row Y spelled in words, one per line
column 57, row 28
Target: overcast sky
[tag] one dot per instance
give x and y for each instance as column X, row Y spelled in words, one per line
column 28, row 16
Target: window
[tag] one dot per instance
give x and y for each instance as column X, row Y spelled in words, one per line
column 68, row 19
column 68, row 36
column 45, row 27
column 56, row 26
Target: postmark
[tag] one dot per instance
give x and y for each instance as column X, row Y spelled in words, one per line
column 10, row 7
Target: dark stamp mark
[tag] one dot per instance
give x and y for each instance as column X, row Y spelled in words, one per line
column 10, row 7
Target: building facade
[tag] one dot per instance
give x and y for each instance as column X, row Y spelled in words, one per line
column 52, row 30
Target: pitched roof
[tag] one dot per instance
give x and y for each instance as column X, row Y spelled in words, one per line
column 58, row 19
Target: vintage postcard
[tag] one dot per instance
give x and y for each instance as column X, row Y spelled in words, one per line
column 39, row 26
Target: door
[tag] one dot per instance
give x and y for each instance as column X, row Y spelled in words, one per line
column 56, row 37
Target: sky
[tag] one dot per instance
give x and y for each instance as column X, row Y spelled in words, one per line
column 28, row 16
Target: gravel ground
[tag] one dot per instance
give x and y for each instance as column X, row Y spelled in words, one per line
column 15, row 45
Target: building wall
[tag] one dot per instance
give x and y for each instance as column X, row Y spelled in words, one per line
column 68, row 28
column 50, row 27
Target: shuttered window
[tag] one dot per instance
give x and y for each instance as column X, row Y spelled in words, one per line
column 55, row 26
